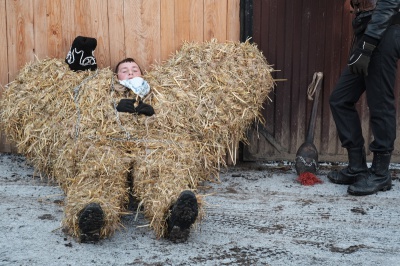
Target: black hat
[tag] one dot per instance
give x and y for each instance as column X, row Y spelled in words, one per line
column 81, row 56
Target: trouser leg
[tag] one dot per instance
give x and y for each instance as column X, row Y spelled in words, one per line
column 342, row 101
column 380, row 91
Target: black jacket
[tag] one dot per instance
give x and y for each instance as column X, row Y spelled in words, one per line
column 382, row 18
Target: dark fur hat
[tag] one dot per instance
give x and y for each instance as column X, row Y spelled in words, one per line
column 81, row 54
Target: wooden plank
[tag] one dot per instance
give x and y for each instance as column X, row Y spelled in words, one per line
column 68, row 25
column 215, row 19
column 47, row 29
column 54, row 33
column 292, row 74
column 40, row 28
column 309, row 16
column 91, row 20
column 264, row 25
column 3, row 47
column 327, row 142
column 255, row 138
column 317, row 44
column 309, row 36
column 19, row 35
column 233, row 20
column 265, row 35
column 257, row 26
column 4, row 145
column 167, row 28
column 142, row 31
column 329, row 81
column 182, row 21
column 283, row 98
column 196, row 14
column 98, row 21
column 306, row 75
column 269, row 42
column 82, row 13
column 116, row 33
column 266, row 45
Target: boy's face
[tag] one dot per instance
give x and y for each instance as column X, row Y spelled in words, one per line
column 128, row 70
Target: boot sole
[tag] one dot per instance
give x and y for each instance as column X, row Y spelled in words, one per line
column 91, row 220
column 350, row 180
column 183, row 214
column 357, row 193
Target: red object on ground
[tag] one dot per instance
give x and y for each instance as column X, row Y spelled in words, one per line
column 308, row 179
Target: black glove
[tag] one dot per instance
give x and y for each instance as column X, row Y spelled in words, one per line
column 126, row 106
column 359, row 59
column 144, row 109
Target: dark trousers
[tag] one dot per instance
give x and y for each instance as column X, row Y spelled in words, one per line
column 379, row 86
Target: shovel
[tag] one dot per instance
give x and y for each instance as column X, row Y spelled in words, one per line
column 307, row 154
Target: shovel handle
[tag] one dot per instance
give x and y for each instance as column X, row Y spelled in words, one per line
column 317, row 84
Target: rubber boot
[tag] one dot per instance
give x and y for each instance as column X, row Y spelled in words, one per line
column 379, row 178
column 357, row 168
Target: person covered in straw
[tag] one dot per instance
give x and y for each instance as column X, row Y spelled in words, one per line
column 94, row 220
column 184, row 212
column 205, row 97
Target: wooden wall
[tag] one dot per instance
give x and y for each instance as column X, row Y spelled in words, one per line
column 147, row 30
column 301, row 37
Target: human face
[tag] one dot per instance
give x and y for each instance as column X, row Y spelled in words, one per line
column 128, row 70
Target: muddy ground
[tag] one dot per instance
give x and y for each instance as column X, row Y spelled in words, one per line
column 257, row 215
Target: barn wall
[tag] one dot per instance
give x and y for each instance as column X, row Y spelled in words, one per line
column 147, row 30
column 301, row 37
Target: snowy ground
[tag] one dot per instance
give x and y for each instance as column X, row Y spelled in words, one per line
column 256, row 216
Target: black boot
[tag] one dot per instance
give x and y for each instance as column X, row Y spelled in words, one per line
column 356, row 169
column 91, row 220
column 183, row 214
column 379, row 178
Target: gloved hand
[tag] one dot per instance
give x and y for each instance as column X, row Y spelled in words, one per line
column 145, row 109
column 359, row 59
column 126, row 106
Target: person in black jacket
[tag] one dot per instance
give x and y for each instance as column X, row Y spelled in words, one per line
column 371, row 68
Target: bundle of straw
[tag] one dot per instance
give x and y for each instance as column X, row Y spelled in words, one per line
column 205, row 97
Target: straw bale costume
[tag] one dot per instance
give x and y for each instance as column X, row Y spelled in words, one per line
column 66, row 123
